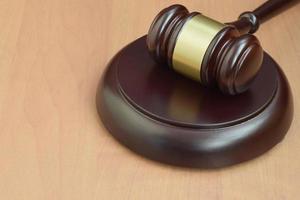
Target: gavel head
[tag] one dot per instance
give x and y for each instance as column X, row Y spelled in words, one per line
column 205, row 50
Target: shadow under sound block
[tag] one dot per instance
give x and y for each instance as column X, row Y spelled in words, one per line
column 166, row 117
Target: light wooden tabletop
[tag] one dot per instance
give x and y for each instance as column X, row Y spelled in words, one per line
column 52, row 143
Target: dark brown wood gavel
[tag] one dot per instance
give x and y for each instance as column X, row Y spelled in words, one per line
column 213, row 53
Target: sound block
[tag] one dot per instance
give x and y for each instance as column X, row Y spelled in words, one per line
column 168, row 118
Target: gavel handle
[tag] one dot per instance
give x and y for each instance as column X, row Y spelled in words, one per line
column 271, row 8
column 249, row 21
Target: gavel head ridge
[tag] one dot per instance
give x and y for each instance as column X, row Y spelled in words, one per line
column 205, row 50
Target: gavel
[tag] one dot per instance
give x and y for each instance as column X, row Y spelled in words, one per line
column 226, row 55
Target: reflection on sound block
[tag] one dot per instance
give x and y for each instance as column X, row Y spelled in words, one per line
column 169, row 118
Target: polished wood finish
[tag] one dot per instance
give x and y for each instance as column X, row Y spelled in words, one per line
column 53, row 145
column 174, row 120
column 164, row 30
column 231, row 61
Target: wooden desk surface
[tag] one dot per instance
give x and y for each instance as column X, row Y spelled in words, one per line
column 52, row 144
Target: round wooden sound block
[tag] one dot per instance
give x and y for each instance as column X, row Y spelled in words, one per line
column 169, row 118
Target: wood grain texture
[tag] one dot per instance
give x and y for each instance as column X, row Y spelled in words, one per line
column 52, row 143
